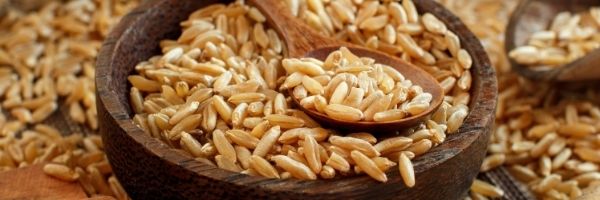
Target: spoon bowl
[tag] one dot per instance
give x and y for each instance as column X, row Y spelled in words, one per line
column 302, row 41
column 535, row 15
column 426, row 81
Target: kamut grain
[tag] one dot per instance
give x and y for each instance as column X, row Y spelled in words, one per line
column 406, row 170
column 295, row 168
column 61, row 172
column 368, row 166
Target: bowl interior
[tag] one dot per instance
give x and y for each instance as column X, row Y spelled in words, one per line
column 136, row 39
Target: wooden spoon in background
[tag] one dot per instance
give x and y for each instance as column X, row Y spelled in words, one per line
column 302, row 41
column 535, row 15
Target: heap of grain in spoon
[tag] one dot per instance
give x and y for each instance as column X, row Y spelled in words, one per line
column 351, row 88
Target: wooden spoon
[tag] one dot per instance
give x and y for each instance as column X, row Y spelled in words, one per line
column 535, row 15
column 302, row 41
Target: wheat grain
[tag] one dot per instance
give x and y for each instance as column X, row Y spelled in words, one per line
column 311, row 153
column 259, row 130
column 377, row 106
column 492, row 162
column 238, row 114
column 308, row 68
column 393, row 144
column 406, row 170
column 184, row 112
column 227, row 164
column 222, row 108
column 61, row 172
column 374, row 23
column 243, row 156
column 223, row 146
column 117, row 189
column 312, row 86
column 186, row 124
column 486, row 189
column 246, row 98
column 242, row 138
column 267, row 141
column 433, row 24
column 286, row 122
column 279, row 104
column 354, row 144
column 344, row 113
column 364, row 136
column 263, row 167
column 256, row 108
column 295, row 168
column 587, row 154
column 339, row 94
column 420, row 147
column 368, row 166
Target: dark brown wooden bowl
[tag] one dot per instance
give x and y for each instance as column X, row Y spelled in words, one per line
column 531, row 16
column 149, row 169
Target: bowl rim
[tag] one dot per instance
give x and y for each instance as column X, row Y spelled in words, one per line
column 481, row 114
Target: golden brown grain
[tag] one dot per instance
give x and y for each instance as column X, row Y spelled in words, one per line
column 223, row 146
column 295, row 168
column 267, row 141
column 61, row 172
column 406, row 170
column 263, row 167
column 369, row 167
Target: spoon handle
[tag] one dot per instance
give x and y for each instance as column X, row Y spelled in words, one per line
column 298, row 37
column 583, row 69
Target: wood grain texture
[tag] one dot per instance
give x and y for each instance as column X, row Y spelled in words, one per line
column 32, row 184
column 150, row 169
column 536, row 15
column 303, row 41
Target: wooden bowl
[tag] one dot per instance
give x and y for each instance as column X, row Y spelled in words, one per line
column 532, row 16
column 149, row 169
